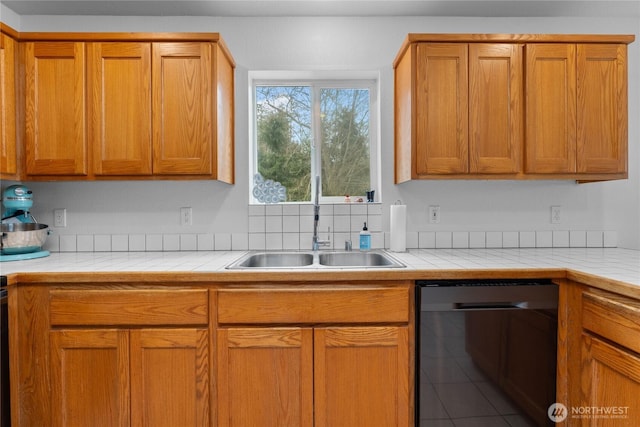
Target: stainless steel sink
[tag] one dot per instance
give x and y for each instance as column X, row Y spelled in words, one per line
column 274, row 260
column 320, row 259
column 357, row 259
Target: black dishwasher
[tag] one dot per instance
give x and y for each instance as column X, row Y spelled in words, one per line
column 486, row 351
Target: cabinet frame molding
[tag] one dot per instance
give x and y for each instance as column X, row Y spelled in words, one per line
column 10, row 148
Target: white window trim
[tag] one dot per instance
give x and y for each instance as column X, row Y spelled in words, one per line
column 364, row 79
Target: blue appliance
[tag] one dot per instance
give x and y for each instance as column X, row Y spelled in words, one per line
column 17, row 201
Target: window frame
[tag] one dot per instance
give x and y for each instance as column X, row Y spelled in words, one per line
column 318, row 80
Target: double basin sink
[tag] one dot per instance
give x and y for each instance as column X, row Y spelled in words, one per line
column 319, row 259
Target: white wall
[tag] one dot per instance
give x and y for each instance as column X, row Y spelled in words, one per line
column 349, row 44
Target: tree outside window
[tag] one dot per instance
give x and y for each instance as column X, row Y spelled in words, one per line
column 291, row 117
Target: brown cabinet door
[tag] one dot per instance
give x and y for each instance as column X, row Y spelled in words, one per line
column 8, row 152
column 361, row 376
column 265, row 377
column 169, row 377
column 89, row 378
column 182, row 108
column 550, row 108
column 118, row 378
column 119, row 87
column 441, row 109
column 602, row 108
column 495, row 108
column 610, row 381
column 55, row 108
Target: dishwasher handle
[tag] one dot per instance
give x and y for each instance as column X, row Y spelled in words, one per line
column 468, row 306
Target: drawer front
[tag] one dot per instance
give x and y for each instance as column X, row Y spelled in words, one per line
column 269, row 306
column 614, row 317
column 129, row 307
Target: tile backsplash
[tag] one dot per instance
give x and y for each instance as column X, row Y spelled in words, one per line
column 290, row 227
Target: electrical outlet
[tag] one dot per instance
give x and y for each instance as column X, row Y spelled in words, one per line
column 556, row 214
column 186, row 216
column 59, row 217
column 434, row 214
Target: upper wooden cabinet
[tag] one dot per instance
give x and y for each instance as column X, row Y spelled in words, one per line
column 576, row 108
column 55, row 118
column 468, row 112
column 495, row 108
column 120, row 107
column 8, row 141
column 182, row 105
column 155, row 106
column 441, row 78
column 511, row 106
column 602, row 120
column 551, row 108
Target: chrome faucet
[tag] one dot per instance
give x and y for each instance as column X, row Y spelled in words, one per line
column 316, row 242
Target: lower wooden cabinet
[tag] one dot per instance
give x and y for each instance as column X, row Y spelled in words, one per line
column 352, row 376
column 610, row 384
column 360, row 376
column 315, row 356
column 131, row 354
column 610, row 357
column 106, row 377
column 90, row 378
column 599, row 382
column 265, row 377
column 170, row 377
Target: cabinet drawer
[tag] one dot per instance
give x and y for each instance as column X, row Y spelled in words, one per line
column 614, row 317
column 268, row 306
column 124, row 307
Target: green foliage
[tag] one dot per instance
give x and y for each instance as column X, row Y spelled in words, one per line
column 281, row 158
column 284, row 131
column 345, row 142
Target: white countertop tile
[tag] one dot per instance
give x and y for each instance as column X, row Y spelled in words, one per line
column 612, row 263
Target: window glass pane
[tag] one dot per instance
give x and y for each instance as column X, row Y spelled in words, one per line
column 284, row 138
column 345, row 141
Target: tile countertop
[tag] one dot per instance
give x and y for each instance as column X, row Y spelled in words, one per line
column 620, row 268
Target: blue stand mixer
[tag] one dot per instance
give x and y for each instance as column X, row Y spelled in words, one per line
column 22, row 235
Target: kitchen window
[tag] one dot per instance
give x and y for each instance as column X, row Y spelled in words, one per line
column 306, row 125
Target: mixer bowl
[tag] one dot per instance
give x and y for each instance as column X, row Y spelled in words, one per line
column 23, row 238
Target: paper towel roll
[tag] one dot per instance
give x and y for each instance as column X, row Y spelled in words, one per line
column 398, row 228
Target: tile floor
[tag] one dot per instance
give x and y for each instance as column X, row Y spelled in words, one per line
column 453, row 392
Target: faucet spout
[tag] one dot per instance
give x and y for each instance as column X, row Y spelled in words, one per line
column 315, row 241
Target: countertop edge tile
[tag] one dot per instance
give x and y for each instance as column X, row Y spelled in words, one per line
column 613, row 268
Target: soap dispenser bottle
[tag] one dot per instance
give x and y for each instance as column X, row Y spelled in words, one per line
column 365, row 238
